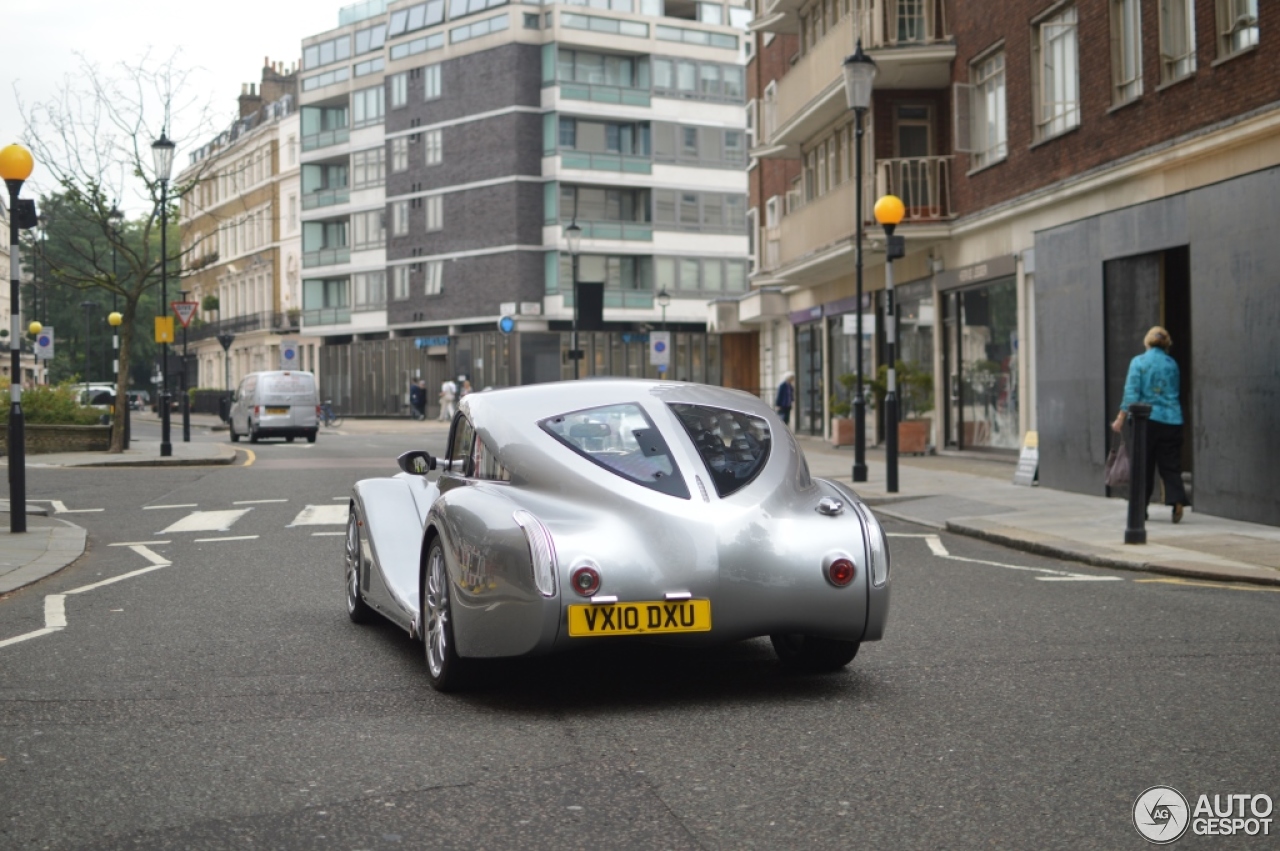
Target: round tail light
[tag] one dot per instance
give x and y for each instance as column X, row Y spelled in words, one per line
column 585, row 580
column 841, row 572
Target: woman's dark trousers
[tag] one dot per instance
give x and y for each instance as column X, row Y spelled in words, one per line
column 1164, row 450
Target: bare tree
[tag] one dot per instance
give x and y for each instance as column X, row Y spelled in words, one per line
column 95, row 136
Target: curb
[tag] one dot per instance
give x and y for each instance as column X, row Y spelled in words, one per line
column 66, row 544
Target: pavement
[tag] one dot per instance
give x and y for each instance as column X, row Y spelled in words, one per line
column 965, row 493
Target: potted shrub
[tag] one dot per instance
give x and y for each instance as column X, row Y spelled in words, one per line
column 841, row 411
column 915, row 400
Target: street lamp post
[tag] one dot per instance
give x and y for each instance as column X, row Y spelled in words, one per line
column 186, row 397
column 573, row 236
column 88, row 307
column 859, row 73
column 114, row 218
column 664, row 299
column 114, row 319
column 889, row 212
column 162, row 150
column 15, row 167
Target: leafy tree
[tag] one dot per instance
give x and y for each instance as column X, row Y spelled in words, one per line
column 99, row 125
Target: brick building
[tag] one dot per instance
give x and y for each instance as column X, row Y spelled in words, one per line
column 1073, row 172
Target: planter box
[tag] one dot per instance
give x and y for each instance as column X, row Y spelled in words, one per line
column 841, row 431
column 43, row 439
column 913, row 436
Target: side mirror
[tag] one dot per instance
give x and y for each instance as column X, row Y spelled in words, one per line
column 417, row 462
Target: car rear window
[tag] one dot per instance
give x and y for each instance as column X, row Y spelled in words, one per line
column 623, row 440
column 734, row 445
column 288, row 388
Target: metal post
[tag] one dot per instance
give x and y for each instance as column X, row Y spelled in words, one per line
column 166, row 447
column 186, row 397
column 859, row 400
column 1136, row 531
column 891, row 397
column 575, row 354
column 17, row 425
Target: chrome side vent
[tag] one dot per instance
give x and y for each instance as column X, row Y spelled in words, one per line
column 702, row 489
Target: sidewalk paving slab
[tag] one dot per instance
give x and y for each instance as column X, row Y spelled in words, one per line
column 48, row 545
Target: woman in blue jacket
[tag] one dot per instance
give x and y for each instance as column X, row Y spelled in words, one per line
column 1154, row 380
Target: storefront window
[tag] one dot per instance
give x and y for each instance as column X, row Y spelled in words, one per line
column 982, row 369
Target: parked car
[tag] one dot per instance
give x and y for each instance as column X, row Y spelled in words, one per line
column 283, row 403
column 138, row 399
column 100, row 395
column 566, row 513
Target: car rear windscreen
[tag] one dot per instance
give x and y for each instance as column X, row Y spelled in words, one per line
column 734, row 445
column 288, row 389
column 623, row 440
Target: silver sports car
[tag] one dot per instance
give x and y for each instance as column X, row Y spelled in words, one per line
column 566, row 514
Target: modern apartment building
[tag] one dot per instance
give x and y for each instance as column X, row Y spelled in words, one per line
column 447, row 147
column 242, row 238
column 1073, row 172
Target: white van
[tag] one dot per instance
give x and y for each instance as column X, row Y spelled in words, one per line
column 276, row 404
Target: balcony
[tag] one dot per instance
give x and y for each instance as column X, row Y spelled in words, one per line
column 923, row 184
column 328, row 198
column 606, row 162
column 911, row 52
column 326, row 139
column 599, row 93
column 326, row 257
column 278, row 322
column 327, row 316
column 617, row 230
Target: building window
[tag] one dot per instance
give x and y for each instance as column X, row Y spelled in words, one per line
column 531, row 22
column 368, row 168
column 1126, row 50
column 1237, row 26
column 434, row 205
column 433, row 144
column 400, row 282
column 990, row 137
column 433, row 271
column 1057, row 78
column 334, row 50
column 368, row 230
column 399, row 89
column 367, row 106
column 399, row 154
column 370, row 290
column 430, row 82
column 1177, row 39
column 400, row 218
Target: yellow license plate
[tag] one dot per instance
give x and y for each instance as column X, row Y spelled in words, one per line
column 640, row 618
column 277, row 410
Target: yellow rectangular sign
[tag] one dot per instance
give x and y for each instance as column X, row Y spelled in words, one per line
column 164, row 329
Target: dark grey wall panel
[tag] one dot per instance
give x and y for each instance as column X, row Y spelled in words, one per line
column 1144, row 228
column 472, row 286
column 1235, row 296
column 1069, row 357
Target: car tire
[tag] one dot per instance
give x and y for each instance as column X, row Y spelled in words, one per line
column 812, row 653
column 357, row 609
column 311, row 437
column 289, row 439
column 253, row 433
column 235, row 438
column 445, row 669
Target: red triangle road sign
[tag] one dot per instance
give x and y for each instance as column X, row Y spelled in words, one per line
column 185, row 310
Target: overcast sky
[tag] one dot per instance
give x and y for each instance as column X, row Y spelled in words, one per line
column 223, row 42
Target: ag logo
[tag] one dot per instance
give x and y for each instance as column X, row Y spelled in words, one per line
column 1161, row 815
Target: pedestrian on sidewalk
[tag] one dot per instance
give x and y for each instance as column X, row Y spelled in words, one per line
column 418, row 399
column 1154, row 379
column 448, row 395
column 786, row 397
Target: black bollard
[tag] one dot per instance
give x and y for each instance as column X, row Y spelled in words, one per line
column 1136, row 531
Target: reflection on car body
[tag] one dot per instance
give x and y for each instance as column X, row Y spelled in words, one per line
column 615, row 508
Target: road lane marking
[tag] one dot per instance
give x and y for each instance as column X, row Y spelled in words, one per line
column 320, row 515
column 60, row 507
column 27, row 636
column 207, row 521
column 253, row 456
column 149, row 555
column 55, row 611
column 183, row 505
column 323, row 534
column 939, row 549
column 138, row 543
column 1203, row 584
column 113, row 580
column 233, row 538
column 257, row 501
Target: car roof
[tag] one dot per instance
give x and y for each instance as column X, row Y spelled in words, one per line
column 533, row 402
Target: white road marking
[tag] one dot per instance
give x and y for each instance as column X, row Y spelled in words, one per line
column 183, row 505
column 320, row 515
column 59, row 507
column 55, row 609
column 234, row 538
column 323, row 534
column 339, row 498
column 939, row 549
column 153, row 557
column 257, row 501
column 138, row 543
column 207, row 521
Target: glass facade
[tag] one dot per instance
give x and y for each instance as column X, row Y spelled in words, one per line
column 981, row 337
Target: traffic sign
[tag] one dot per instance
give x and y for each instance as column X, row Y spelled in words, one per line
column 44, row 343
column 660, row 349
column 289, row 354
column 164, row 329
column 185, row 310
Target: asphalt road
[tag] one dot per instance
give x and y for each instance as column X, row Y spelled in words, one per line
column 223, row 699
